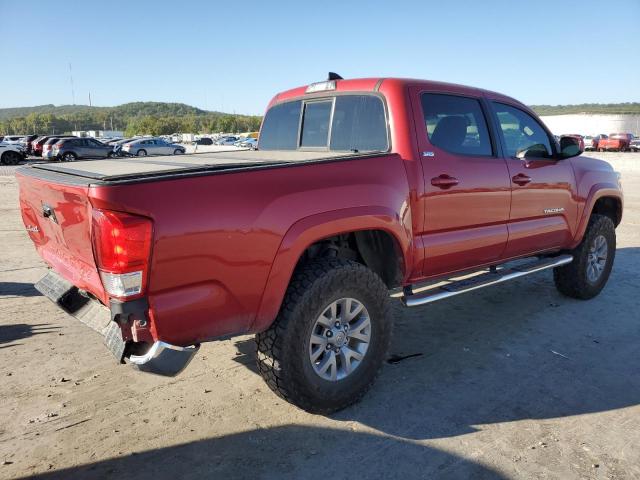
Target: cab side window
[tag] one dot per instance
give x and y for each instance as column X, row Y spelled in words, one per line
column 456, row 124
column 523, row 136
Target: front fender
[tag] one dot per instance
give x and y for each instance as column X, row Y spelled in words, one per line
column 596, row 192
column 312, row 229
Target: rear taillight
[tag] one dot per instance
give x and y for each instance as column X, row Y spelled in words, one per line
column 122, row 247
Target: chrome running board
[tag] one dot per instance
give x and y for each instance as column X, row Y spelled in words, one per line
column 486, row 279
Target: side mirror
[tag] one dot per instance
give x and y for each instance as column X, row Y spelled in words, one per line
column 570, row 146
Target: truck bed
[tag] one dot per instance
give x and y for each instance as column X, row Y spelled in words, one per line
column 136, row 168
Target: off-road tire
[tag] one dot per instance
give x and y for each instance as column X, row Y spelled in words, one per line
column 282, row 350
column 571, row 280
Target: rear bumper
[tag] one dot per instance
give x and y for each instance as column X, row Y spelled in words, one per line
column 164, row 359
column 161, row 358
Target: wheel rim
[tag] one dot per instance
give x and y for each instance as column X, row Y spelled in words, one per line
column 142, row 153
column 68, row 157
column 597, row 258
column 340, row 339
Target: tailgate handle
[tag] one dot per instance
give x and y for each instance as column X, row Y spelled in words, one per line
column 47, row 212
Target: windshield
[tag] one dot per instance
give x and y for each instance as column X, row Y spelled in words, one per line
column 352, row 123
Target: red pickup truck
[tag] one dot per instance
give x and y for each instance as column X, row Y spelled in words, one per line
column 358, row 187
column 618, row 142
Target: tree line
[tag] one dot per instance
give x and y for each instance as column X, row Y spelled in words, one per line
column 154, row 118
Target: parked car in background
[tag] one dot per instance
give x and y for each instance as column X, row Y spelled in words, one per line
column 12, row 139
column 70, row 149
column 251, row 143
column 38, row 144
column 617, row 142
column 152, row 146
column 230, row 140
column 47, row 148
column 592, row 142
column 204, row 141
column 634, row 146
column 26, row 143
column 11, row 153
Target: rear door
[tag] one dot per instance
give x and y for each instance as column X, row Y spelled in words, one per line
column 543, row 208
column 467, row 191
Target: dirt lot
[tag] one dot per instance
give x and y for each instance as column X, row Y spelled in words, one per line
column 513, row 381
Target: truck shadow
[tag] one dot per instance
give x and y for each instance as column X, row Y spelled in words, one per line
column 507, row 353
column 517, row 352
column 18, row 331
column 18, row 289
column 290, row 451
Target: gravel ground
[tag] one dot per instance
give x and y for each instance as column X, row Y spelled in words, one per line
column 513, row 381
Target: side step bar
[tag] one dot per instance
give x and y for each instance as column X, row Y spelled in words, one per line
column 491, row 277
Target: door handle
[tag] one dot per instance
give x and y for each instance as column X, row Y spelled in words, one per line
column 444, row 181
column 521, row 179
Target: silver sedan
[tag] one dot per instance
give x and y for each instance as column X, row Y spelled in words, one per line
column 152, row 146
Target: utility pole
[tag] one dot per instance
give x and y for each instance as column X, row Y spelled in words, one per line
column 89, row 98
column 73, row 94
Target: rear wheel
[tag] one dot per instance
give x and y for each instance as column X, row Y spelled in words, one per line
column 69, row 157
column 141, row 153
column 586, row 276
column 11, row 158
column 326, row 346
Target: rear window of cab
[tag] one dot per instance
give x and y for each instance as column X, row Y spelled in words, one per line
column 351, row 123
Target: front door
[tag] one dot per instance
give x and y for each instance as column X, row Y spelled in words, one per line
column 543, row 207
column 467, row 185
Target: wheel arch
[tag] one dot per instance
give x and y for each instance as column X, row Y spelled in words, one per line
column 603, row 199
column 369, row 228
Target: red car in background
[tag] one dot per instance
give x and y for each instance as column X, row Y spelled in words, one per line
column 618, row 142
column 592, row 142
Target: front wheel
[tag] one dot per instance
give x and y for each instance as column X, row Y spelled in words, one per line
column 325, row 348
column 586, row 276
column 178, row 151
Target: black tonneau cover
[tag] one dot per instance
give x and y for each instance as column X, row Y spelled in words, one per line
column 125, row 168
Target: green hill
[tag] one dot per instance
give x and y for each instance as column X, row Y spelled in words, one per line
column 134, row 109
column 156, row 118
column 601, row 108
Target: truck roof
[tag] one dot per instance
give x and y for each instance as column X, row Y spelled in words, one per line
column 375, row 84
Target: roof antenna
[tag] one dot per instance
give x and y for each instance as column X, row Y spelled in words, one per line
column 334, row 76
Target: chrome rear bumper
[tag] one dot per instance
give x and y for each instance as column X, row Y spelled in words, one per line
column 164, row 359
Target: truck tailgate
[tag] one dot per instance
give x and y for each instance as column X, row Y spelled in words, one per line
column 58, row 219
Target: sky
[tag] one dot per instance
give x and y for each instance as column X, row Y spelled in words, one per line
column 234, row 56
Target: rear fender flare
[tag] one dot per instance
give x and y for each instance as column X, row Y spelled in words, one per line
column 312, row 229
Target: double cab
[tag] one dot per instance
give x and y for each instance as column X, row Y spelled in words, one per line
column 358, row 187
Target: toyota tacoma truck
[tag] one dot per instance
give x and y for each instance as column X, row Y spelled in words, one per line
column 359, row 187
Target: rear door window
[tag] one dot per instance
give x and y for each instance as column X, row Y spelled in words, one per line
column 315, row 124
column 456, row 124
